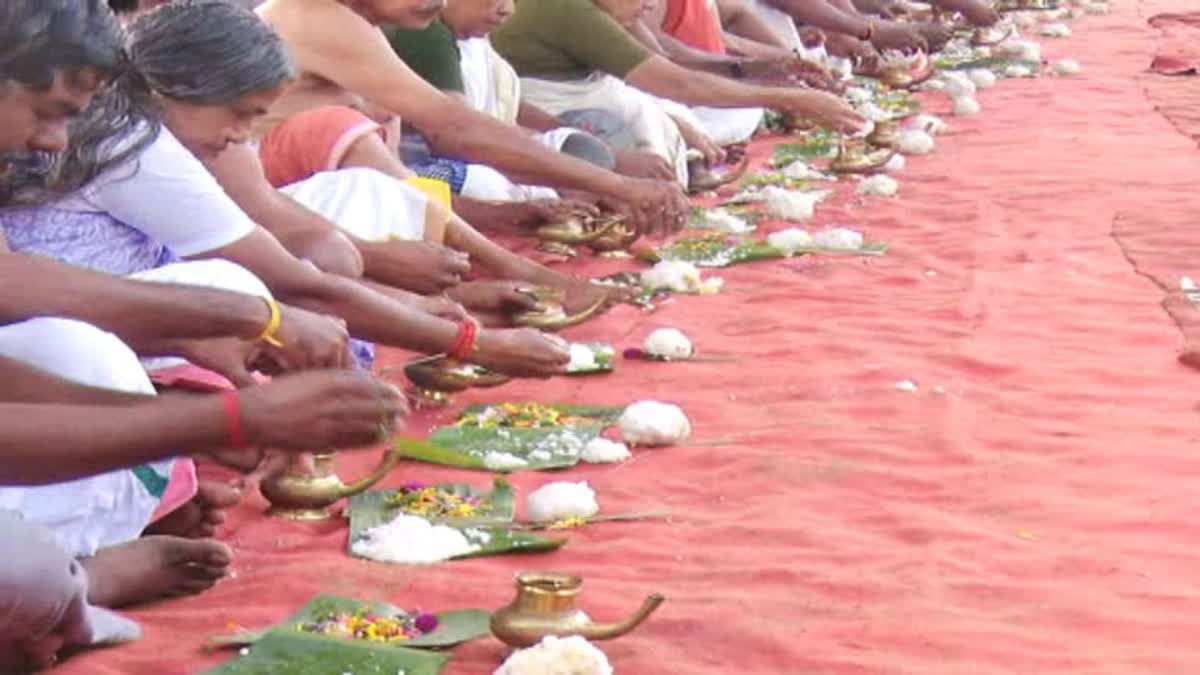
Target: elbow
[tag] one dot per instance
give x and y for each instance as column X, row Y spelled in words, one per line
column 334, row 254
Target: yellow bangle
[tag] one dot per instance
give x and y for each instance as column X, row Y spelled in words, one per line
column 268, row 333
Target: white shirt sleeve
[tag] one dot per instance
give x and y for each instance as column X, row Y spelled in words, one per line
column 169, row 195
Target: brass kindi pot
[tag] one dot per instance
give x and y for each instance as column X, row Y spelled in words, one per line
column 297, row 494
column 550, row 316
column 854, row 157
column 545, row 604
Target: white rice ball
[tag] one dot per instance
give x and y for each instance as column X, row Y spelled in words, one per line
column 874, row 113
column 1017, row 71
column 557, row 656
column 411, row 540
column 675, row 275
column 668, row 343
column 723, row 221
column 1026, row 50
column 914, row 142
column 839, row 239
column 503, row 461
column 858, row 95
column 1055, row 30
column 958, row 84
column 930, row 124
column 582, row 358
column 799, row 170
column 790, row 240
column 895, row 164
column 878, row 186
column 654, row 424
column 604, row 451
column 1066, row 67
column 792, row 205
column 982, row 77
column 965, row 106
column 562, row 499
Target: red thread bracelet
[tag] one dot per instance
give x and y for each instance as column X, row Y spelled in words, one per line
column 464, row 342
column 233, row 420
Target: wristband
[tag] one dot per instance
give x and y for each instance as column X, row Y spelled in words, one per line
column 268, row 332
column 464, row 343
column 233, row 420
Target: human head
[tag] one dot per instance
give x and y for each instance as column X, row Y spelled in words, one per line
column 211, row 68
column 624, row 11
column 54, row 56
column 415, row 14
column 475, row 18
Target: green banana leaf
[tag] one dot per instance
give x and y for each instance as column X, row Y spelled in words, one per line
column 540, row 449
column 725, row 250
column 369, row 509
column 758, row 180
column 810, row 146
column 490, row 541
column 430, row 453
column 454, row 628
column 995, row 63
column 604, row 356
column 297, row 654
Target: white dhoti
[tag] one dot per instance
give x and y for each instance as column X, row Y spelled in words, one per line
column 651, row 127
column 111, row 508
column 724, row 126
column 91, row 513
column 368, row 204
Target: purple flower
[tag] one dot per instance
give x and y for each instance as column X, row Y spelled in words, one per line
column 634, row 353
column 426, row 622
column 412, row 487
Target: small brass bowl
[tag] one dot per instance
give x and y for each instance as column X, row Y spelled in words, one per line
column 855, row 158
column 885, row 134
column 448, row 376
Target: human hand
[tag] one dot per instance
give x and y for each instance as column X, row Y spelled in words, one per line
column 824, row 109
column 697, row 139
column 494, row 296
column 654, row 207
column 936, row 34
column 555, row 210
column 898, row 36
column 638, row 164
column 309, row 340
column 321, row 410
column 443, row 307
column 522, row 352
column 419, row 266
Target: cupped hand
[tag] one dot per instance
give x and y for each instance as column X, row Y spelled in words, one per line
column 522, row 352
column 654, row 207
column 824, row 109
column 419, row 266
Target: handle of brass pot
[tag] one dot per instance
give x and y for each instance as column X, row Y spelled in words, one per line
column 563, row 236
column 390, row 459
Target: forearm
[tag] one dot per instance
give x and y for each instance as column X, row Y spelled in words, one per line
column 462, row 132
column 533, row 117
column 140, row 312
column 24, row 383
column 374, row 316
column 739, row 20
column 751, row 48
column 823, row 15
column 666, row 80
column 696, row 59
column 48, row 443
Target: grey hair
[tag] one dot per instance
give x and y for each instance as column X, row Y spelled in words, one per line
column 41, row 39
column 203, row 52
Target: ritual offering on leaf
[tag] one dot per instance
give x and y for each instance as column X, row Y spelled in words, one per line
column 591, row 358
column 518, row 436
column 412, row 540
column 721, row 220
column 339, row 634
column 676, row 263
column 448, row 503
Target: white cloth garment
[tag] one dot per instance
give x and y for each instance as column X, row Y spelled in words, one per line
column 651, row 126
column 168, row 194
column 112, row 508
column 368, row 204
column 43, row 594
column 724, row 126
column 89, row 513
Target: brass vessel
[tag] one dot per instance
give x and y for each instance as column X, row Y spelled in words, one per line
column 704, row 180
column 987, row 37
column 855, row 157
column 575, row 230
column 617, row 240
column 885, row 134
column 545, row 605
column 435, row 378
column 299, row 495
column 903, row 76
column 549, row 314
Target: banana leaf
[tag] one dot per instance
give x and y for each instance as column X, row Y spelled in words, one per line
column 602, row 354
column 297, row 654
column 721, row 251
column 454, row 628
column 430, row 453
column 759, row 180
column 697, row 218
column 814, row 145
column 488, row 541
column 369, row 509
column 994, row 63
column 539, row 448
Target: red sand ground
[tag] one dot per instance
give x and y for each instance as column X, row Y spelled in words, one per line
column 1036, row 514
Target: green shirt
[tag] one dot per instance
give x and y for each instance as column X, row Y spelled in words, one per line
column 566, row 40
column 432, row 53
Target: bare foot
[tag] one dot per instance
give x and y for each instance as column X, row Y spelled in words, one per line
column 154, row 567
column 199, row 518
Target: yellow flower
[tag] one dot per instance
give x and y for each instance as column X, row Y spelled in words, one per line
column 567, row 523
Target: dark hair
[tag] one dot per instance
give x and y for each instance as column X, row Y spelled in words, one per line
column 40, row 39
column 205, row 52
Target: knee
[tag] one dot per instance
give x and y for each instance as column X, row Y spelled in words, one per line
column 78, row 352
